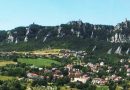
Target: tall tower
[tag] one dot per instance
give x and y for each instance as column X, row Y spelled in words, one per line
column 126, row 22
column 33, row 23
column 126, row 19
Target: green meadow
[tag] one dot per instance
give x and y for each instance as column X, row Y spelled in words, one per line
column 38, row 62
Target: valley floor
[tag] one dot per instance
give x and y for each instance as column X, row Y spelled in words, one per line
column 65, row 70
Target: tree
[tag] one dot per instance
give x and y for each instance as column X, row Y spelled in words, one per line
column 40, row 82
column 102, row 73
column 64, row 71
column 112, row 85
column 62, row 81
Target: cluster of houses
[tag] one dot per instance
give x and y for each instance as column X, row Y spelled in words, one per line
column 77, row 75
column 62, row 53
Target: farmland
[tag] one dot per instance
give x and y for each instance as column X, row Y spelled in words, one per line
column 38, row 62
column 6, row 77
column 102, row 88
column 51, row 51
column 4, row 63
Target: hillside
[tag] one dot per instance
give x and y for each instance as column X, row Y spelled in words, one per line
column 72, row 35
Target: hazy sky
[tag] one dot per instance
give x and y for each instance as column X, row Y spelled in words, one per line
column 15, row 13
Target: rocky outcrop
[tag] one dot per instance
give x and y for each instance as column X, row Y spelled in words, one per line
column 114, row 34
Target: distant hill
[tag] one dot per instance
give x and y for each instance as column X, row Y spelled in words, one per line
column 72, row 35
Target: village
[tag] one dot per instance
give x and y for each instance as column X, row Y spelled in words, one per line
column 76, row 69
column 98, row 72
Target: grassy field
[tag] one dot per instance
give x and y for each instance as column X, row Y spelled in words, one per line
column 50, row 51
column 6, row 77
column 38, row 62
column 67, row 88
column 102, row 88
column 4, row 63
column 119, row 88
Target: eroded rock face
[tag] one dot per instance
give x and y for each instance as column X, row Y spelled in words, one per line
column 118, row 50
column 16, row 41
column 114, row 34
column 118, row 38
column 59, row 31
column 72, row 30
column 45, row 38
column 78, row 34
column 28, row 30
column 27, row 33
column 122, row 32
column 94, row 48
column 92, row 35
column 25, row 39
column 10, row 38
column 128, row 50
column 109, row 51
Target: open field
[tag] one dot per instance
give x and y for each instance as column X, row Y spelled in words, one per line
column 67, row 88
column 6, row 77
column 4, row 63
column 51, row 51
column 102, row 88
column 38, row 62
column 39, row 52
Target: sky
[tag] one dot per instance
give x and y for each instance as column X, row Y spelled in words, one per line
column 14, row 13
